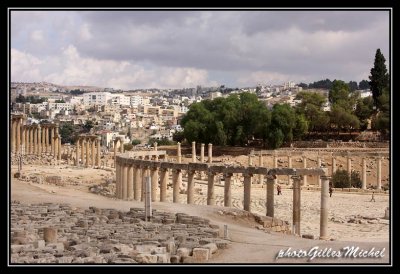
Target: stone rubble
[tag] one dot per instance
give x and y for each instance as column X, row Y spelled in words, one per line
column 62, row 234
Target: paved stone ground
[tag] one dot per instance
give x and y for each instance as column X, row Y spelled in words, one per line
column 97, row 235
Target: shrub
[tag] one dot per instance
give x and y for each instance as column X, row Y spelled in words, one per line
column 341, row 179
column 136, row 142
column 128, row 147
column 355, row 179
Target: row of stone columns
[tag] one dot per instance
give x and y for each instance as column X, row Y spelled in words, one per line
column 35, row 139
column 333, row 170
column 84, row 144
column 130, row 180
column 194, row 159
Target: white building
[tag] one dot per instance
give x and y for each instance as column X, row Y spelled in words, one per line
column 120, row 99
column 59, row 106
column 96, row 98
column 136, row 100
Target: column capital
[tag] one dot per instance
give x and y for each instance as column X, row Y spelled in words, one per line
column 228, row 174
column 271, row 177
column 324, row 177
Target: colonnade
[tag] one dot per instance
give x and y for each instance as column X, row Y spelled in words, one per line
column 131, row 173
column 89, row 146
column 35, row 138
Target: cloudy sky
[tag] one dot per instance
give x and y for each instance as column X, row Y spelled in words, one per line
column 176, row 49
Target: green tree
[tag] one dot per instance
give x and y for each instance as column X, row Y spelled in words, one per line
column 88, row 125
column 178, row 136
column 364, row 110
column 283, row 121
column 341, row 179
column 67, row 133
column 379, row 77
column 364, row 84
column 355, row 179
column 136, row 142
column 353, row 86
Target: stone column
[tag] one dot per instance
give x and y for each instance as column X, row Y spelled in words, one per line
column 318, row 166
column 39, row 137
column 137, row 184
column 98, row 151
column 210, row 189
column 43, row 139
column 228, row 190
column 154, row 184
column 179, row 155
column 83, row 145
column 156, row 149
column 13, row 134
column 124, row 182
column 190, row 187
column 296, row 204
column 115, row 150
column 194, row 152
column 275, row 166
column 47, row 139
column 22, row 139
column 145, row 173
column 117, row 180
column 364, row 173
column 349, row 165
column 202, row 153
column 18, row 136
column 87, row 153
column 289, row 166
column 250, row 160
column 92, row 140
column 247, row 192
column 209, row 153
column 163, row 185
column 130, row 183
column 175, row 185
column 304, row 183
column 26, row 134
column 379, row 172
column 77, row 152
column 31, row 142
column 59, row 148
column 122, row 149
column 55, row 141
column 333, row 165
column 323, row 227
column 52, row 141
column 35, row 140
column 270, row 195
column 260, row 164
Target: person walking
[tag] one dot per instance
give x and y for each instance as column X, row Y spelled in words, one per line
column 279, row 190
column 330, row 191
column 373, row 197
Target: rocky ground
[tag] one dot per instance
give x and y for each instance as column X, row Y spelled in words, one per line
column 59, row 233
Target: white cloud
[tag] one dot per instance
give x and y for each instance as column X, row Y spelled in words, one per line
column 70, row 68
column 25, row 67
